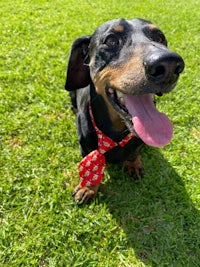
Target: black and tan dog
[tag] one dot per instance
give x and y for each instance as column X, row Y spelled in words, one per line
column 116, row 72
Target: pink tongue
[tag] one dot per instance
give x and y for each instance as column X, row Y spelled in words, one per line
column 153, row 127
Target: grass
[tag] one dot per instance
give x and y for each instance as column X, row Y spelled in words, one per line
column 149, row 222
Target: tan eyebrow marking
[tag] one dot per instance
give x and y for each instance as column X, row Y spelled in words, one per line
column 152, row 27
column 119, row 28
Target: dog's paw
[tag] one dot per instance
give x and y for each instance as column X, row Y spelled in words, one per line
column 84, row 194
column 135, row 168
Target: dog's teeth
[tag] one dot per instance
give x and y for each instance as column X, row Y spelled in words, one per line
column 121, row 100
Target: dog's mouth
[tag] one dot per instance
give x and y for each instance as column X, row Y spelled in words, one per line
column 141, row 116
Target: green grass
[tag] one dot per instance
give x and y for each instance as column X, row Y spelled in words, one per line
column 150, row 222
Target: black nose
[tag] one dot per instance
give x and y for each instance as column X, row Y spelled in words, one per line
column 164, row 68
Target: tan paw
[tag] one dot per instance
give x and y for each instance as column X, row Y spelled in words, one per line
column 86, row 193
column 135, row 168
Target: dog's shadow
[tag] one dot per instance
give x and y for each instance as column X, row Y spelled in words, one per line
column 156, row 213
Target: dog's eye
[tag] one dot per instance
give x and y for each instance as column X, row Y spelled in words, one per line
column 155, row 35
column 112, row 41
column 160, row 38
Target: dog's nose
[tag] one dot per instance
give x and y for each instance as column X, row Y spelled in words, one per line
column 163, row 67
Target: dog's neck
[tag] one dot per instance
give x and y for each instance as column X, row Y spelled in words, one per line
column 105, row 121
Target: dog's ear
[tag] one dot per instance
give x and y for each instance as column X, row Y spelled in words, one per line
column 78, row 73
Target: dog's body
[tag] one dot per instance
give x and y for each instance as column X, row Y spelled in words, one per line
column 116, row 72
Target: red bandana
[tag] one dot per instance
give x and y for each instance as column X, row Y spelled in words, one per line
column 91, row 168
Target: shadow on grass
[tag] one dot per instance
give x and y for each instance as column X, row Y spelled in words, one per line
column 156, row 213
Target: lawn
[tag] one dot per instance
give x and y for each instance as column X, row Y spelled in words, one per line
column 154, row 221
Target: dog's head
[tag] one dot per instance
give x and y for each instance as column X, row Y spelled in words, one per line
column 128, row 62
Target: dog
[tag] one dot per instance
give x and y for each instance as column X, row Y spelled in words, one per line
column 113, row 76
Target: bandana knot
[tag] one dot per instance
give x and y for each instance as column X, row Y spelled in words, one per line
column 91, row 168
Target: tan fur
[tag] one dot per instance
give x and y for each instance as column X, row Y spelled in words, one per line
column 152, row 27
column 119, row 28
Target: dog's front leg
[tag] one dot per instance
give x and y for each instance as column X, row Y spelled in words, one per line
column 135, row 167
column 86, row 193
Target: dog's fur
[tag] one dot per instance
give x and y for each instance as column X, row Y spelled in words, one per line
column 132, row 58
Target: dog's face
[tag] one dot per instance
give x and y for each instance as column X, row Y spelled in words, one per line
column 132, row 57
column 128, row 62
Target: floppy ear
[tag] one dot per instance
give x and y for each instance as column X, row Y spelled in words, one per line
column 78, row 73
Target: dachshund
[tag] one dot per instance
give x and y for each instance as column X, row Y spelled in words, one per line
column 113, row 76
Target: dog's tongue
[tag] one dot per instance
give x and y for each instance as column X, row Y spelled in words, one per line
column 153, row 127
